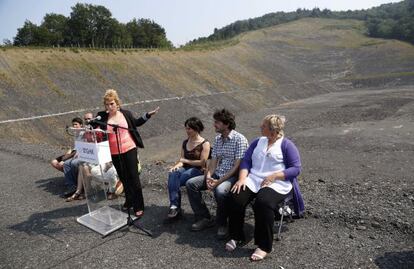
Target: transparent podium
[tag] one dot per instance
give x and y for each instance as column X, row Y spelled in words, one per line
column 99, row 179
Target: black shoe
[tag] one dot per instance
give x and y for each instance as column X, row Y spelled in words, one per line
column 202, row 224
column 222, row 232
column 68, row 193
column 173, row 216
column 174, row 213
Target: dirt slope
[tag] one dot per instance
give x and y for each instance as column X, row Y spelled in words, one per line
column 349, row 102
column 266, row 67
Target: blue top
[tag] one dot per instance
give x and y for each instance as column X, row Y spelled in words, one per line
column 291, row 159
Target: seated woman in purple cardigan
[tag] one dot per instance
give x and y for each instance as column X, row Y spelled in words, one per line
column 268, row 173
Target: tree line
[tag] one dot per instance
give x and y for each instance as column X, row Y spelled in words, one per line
column 91, row 26
column 395, row 20
column 392, row 21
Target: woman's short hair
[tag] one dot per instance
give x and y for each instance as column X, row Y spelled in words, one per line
column 77, row 120
column 111, row 95
column 195, row 124
column 225, row 117
column 276, row 123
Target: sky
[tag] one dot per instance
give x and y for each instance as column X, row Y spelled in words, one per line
column 183, row 20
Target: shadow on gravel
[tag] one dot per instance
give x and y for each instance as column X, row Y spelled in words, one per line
column 155, row 220
column 396, row 260
column 50, row 223
column 54, row 185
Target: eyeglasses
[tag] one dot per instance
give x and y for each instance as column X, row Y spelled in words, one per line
column 87, row 119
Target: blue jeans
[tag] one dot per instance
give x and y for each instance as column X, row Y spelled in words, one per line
column 178, row 178
column 70, row 170
column 197, row 184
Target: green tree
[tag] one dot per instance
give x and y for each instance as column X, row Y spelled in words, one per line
column 146, row 33
column 100, row 23
column 26, row 35
column 55, row 25
column 119, row 35
column 91, row 25
column 7, row 42
column 137, row 33
column 78, row 31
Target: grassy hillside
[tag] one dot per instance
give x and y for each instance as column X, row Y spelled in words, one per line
column 260, row 69
column 391, row 21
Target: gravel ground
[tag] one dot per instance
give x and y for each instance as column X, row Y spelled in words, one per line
column 357, row 180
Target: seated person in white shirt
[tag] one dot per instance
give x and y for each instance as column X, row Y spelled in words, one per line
column 105, row 173
column 268, row 173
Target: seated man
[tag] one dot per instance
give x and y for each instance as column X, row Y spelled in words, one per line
column 228, row 150
column 68, row 164
column 58, row 162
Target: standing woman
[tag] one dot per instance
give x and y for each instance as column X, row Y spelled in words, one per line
column 194, row 153
column 124, row 155
column 268, row 173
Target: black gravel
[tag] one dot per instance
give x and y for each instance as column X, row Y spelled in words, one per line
column 357, row 180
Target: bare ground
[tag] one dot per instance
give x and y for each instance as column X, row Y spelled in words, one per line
column 265, row 68
column 357, row 181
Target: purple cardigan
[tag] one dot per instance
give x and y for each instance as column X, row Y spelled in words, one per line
column 292, row 163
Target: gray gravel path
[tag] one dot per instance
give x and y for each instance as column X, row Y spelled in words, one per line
column 357, row 153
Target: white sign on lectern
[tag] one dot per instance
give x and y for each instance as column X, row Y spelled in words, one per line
column 96, row 153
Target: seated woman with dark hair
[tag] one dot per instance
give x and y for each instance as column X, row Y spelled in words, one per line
column 268, row 173
column 194, row 153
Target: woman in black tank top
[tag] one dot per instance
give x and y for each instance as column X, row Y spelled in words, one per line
column 194, row 153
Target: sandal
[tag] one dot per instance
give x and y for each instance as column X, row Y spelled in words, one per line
column 256, row 257
column 119, row 188
column 75, row 196
column 139, row 213
column 231, row 245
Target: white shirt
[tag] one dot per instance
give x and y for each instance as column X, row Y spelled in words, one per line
column 266, row 162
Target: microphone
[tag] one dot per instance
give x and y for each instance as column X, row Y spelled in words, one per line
column 97, row 118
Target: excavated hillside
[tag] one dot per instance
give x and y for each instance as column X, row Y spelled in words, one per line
column 266, row 67
column 349, row 104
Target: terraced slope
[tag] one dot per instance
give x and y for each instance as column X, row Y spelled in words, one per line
column 265, row 68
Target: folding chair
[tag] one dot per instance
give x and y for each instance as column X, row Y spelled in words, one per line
column 284, row 210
